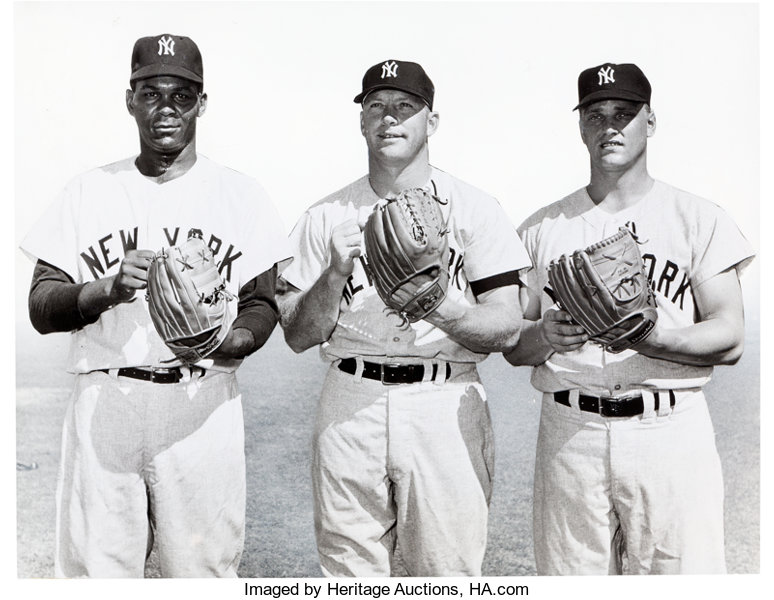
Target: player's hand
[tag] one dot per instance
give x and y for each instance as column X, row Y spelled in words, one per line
column 345, row 247
column 561, row 333
column 132, row 275
column 238, row 343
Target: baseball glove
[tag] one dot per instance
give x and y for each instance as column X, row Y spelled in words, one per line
column 606, row 291
column 407, row 247
column 188, row 300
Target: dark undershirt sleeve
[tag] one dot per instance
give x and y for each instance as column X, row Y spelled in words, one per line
column 53, row 303
column 53, row 300
column 495, row 281
column 258, row 310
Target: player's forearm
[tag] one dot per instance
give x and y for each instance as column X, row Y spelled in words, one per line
column 532, row 348
column 257, row 316
column 713, row 342
column 98, row 296
column 309, row 318
column 53, row 307
column 56, row 303
column 481, row 327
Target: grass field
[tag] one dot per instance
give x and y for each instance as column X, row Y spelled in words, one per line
column 280, row 393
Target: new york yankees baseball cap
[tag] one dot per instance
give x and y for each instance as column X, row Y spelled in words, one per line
column 166, row 54
column 398, row 75
column 610, row 81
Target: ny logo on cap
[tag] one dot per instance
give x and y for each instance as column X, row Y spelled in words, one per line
column 606, row 75
column 166, row 46
column 390, row 69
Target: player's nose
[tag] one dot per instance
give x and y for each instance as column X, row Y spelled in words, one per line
column 166, row 108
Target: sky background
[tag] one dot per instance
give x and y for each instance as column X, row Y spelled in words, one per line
column 281, row 77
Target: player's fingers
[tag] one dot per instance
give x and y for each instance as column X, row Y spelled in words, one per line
column 352, row 239
column 137, row 262
column 570, row 329
column 136, row 283
column 560, row 327
column 573, row 340
column 134, row 275
column 562, row 316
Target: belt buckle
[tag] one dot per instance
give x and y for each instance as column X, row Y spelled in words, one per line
column 615, row 406
column 154, row 371
column 382, row 370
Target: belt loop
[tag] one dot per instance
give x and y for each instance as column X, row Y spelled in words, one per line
column 427, row 366
column 186, row 372
column 440, row 376
column 574, row 398
column 358, row 376
column 665, row 405
column 649, row 403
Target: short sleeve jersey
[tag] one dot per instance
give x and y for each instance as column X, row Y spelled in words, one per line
column 483, row 243
column 684, row 241
column 106, row 212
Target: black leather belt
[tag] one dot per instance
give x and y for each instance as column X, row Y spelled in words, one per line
column 170, row 375
column 626, row 406
column 390, row 374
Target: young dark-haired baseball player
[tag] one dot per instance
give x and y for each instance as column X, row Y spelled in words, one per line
column 403, row 441
column 627, row 476
column 152, row 448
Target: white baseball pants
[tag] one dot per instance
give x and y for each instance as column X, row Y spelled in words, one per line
column 410, row 464
column 143, row 459
column 630, row 495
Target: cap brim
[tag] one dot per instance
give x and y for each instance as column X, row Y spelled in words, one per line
column 159, row 70
column 362, row 95
column 611, row 95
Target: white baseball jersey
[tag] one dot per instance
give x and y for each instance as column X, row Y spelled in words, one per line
column 685, row 240
column 482, row 243
column 108, row 211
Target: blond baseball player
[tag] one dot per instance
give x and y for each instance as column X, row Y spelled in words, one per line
column 153, row 448
column 403, row 448
column 627, row 476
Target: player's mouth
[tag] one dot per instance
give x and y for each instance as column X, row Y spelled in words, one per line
column 165, row 128
column 611, row 144
column 390, row 135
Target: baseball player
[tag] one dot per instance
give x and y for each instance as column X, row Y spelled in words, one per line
column 627, row 476
column 152, row 448
column 403, row 448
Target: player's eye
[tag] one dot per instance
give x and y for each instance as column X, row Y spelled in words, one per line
column 406, row 106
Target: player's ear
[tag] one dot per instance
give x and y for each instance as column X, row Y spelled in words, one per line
column 130, row 101
column 433, row 119
column 651, row 122
column 362, row 124
column 202, row 104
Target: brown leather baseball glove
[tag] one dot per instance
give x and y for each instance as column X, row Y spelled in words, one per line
column 188, row 300
column 606, row 291
column 407, row 247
